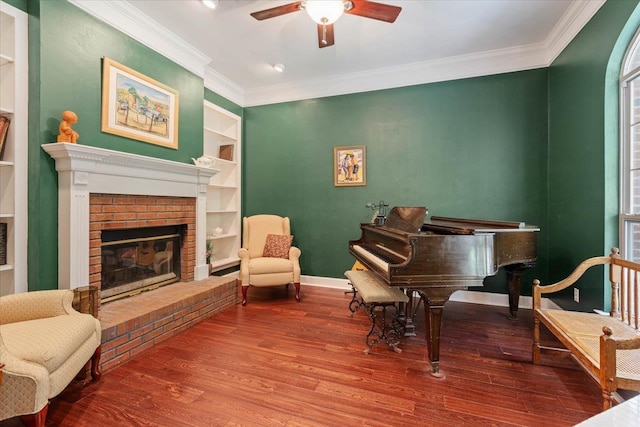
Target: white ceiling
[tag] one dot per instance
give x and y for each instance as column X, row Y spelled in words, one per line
column 432, row 40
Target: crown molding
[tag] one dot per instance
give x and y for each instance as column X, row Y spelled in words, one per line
column 452, row 68
column 223, row 86
column 571, row 23
column 459, row 67
column 122, row 16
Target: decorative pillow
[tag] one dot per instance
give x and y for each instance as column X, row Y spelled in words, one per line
column 277, row 246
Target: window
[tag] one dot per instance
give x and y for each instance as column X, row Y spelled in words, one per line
column 630, row 152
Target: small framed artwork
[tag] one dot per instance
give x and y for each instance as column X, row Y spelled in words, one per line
column 4, row 131
column 138, row 107
column 349, row 166
column 225, row 152
column 3, row 243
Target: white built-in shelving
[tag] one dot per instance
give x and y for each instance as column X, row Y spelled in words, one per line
column 222, row 138
column 13, row 160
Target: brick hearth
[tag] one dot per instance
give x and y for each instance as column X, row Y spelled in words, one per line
column 135, row 324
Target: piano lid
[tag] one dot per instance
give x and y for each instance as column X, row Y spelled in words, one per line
column 447, row 225
column 407, row 219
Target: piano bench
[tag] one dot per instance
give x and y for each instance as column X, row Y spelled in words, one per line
column 376, row 296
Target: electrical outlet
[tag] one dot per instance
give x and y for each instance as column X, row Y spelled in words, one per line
column 576, row 294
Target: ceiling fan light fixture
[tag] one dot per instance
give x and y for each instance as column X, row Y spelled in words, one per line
column 211, row 4
column 324, row 12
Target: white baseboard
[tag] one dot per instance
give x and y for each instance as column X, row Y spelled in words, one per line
column 325, row 282
column 473, row 297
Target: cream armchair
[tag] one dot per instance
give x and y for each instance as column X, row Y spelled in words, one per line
column 162, row 260
column 267, row 257
column 44, row 343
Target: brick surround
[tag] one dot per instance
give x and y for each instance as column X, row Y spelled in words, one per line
column 86, row 172
column 112, row 211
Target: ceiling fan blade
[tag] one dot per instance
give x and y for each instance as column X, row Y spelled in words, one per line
column 325, row 35
column 277, row 11
column 373, row 10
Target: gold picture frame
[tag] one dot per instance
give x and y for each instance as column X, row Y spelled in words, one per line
column 350, row 166
column 138, row 107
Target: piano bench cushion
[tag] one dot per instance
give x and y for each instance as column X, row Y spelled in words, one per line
column 373, row 290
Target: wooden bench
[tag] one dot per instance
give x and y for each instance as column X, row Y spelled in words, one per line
column 606, row 347
column 376, row 297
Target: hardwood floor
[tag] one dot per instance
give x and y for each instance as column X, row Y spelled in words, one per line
column 278, row 362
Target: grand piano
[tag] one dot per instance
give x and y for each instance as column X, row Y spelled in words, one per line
column 441, row 255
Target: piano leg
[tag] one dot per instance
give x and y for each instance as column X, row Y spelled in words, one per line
column 433, row 315
column 433, row 320
column 434, row 300
column 405, row 315
column 514, row 277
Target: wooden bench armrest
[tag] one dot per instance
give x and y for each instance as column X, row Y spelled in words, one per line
column 628, row 344
column 615, row 363
column 539, row 290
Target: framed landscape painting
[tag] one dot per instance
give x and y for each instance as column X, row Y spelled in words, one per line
column 349, row 166
column 138, row 107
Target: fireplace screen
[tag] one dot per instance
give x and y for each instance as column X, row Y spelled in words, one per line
column 134, row 260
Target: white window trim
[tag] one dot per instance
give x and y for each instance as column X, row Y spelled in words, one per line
column 626, row 216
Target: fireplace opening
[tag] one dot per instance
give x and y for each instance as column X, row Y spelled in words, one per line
column 139, row 259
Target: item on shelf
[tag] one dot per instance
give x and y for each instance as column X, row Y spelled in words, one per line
column 226, row 152
column 204, row 161
column 4, row 129
column 209, row 252
column 3, row 243
column 66, row 133
column 222, row 134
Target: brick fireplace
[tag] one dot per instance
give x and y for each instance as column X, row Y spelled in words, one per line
column 100, row 190
column 154, row 191
column 122, row 212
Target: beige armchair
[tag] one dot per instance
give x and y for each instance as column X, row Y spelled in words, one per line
column 44, row 343
column 162, row 260
column 267, row 257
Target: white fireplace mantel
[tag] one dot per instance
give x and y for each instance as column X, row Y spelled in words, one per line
column 83, row 170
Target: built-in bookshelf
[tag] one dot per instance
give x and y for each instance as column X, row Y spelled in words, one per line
column 222, row 142
column 13, row 156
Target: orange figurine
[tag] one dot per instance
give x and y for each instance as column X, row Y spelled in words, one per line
column 66, row 133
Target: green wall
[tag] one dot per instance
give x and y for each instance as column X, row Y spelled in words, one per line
column 583, row 148
column 18, row 4
column 472, row 148
column 223, row 102
column 66, row 50
column 517, row 146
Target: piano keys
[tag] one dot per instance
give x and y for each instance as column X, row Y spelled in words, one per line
column 441, row 255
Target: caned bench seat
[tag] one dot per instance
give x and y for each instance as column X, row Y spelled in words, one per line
column 606, row 347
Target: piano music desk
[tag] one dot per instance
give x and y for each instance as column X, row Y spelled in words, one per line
column 376, row 296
